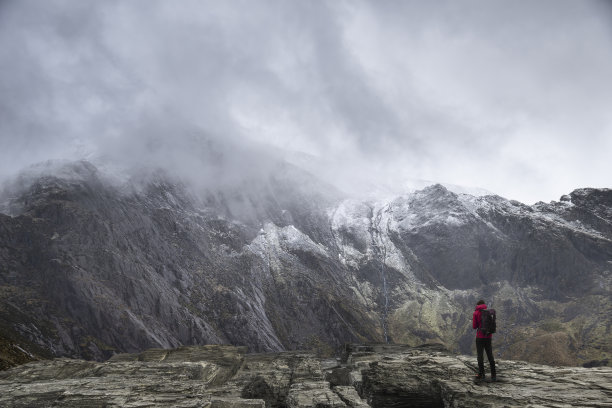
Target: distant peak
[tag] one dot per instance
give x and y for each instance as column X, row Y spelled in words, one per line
column 438, row 190
column 436, row 187
column 586, row 196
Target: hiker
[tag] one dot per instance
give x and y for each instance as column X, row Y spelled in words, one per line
column 483, row 342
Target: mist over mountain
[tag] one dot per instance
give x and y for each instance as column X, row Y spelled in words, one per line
column 93, row 266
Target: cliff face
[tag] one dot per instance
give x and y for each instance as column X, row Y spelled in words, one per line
column 373, row 375
column 89, row 269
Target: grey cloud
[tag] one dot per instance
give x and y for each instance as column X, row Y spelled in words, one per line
column 492, row 94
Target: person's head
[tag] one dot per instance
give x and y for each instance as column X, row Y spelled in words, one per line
column 480, row 302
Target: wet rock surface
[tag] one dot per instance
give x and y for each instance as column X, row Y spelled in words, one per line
column 376, row 375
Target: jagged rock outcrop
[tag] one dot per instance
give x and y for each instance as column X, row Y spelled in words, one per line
column 90, row 267
column 367, row 376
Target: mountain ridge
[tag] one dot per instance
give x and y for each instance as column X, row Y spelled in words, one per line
column 289, row 263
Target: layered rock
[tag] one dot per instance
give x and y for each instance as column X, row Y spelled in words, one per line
column 367, row 376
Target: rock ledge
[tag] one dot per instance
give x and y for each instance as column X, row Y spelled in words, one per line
column 366, row 376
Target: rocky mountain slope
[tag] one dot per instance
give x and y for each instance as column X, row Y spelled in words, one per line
column 367, row 376
column 90, row 267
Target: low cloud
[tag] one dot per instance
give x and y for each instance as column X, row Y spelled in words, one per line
column 512, row 97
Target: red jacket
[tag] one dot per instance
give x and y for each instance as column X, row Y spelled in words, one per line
column 476, row 322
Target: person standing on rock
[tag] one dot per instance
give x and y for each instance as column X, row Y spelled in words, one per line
column 483, row 342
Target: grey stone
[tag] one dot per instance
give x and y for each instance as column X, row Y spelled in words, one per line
column 382, row 376
column 308, row 394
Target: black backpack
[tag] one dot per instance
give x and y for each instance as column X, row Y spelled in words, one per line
column 487, row 321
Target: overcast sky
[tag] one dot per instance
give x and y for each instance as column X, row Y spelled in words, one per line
column 511, row 96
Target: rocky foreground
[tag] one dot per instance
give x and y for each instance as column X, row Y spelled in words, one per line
column 366, row 376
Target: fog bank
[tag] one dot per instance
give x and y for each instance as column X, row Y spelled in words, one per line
column 510, row 97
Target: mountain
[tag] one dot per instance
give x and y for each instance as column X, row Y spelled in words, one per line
column 90, row 267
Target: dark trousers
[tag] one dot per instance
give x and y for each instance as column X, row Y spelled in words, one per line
column 485, row 344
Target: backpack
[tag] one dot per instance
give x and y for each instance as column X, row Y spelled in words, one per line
column 488, row 324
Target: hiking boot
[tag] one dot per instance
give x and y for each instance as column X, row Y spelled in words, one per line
column 480, row 377
column 493, row 379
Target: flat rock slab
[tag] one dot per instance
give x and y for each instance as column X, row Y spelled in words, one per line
column 424, row 377
column 368, row 376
